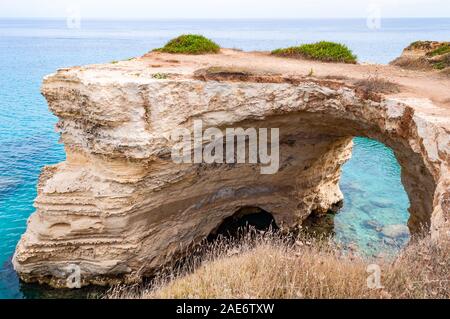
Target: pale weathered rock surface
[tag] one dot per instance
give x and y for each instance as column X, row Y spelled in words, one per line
column 119, row 207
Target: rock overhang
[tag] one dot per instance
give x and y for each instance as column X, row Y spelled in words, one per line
column 120, row 208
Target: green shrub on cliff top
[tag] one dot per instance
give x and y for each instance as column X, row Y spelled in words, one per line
column 322, row 51
column 190, row 44
column 444, row 49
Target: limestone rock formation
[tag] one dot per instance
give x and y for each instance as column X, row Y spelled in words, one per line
column 119, row 208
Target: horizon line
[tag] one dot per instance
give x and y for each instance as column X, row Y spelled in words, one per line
column 224, row 18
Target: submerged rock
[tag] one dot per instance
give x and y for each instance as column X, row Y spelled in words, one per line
column 381, row 203
column 373, row 224
column 395, row 231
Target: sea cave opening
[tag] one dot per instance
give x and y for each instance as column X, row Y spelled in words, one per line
column 372, row 218
column 242, row 221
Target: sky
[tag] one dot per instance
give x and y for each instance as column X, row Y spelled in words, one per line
column 216, row 9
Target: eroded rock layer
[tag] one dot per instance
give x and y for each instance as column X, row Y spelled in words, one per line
column 120, row 208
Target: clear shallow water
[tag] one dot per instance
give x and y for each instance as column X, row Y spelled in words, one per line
column 30, row 49
column 374, row 197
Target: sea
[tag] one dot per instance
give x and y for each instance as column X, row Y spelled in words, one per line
column 32, row 48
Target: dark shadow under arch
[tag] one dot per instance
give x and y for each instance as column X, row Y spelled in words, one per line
column 242, row 221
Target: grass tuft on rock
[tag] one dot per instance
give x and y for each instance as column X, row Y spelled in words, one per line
column 321, row 51
column 190, row 44
column 444, row 49
column 376, row 84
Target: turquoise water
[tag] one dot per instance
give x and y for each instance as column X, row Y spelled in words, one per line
column 374, row 198
column 30, row 49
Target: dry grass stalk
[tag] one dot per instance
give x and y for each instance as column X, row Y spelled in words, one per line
column 271, row 266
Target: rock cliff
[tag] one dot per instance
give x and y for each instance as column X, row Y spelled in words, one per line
column 426, row 55
column 119, row 207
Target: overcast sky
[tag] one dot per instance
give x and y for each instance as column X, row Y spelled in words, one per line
column 163, row 9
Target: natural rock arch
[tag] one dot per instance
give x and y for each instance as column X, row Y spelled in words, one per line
column 119, row 207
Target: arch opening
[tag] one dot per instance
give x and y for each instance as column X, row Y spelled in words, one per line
column 373, row 215
column 300, row 129
column 243, row 221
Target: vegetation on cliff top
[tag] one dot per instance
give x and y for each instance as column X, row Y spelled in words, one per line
column 419, row 45
column 441, row 57
column 271, row 266
column 322, row 51
column 426, row 45
column 190, row 44
column 445, row 48
column 426, row 55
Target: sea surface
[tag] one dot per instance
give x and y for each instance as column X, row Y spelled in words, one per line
column 30, row 49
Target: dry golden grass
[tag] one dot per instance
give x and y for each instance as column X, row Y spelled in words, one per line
column 375, row 84
column 270, row 266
